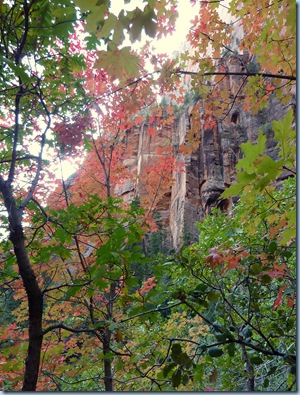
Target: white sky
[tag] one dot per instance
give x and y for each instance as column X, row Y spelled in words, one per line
column 186, row 12
column 168, row 44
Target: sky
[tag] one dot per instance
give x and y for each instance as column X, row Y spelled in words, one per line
column 169, row 44
column 186, row 12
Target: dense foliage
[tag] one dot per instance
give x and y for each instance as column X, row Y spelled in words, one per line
column 91, row 298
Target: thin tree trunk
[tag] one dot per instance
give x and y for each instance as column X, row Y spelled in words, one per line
column 249, row 370
column 108, row 378
column 108, row 381
column 34, row 294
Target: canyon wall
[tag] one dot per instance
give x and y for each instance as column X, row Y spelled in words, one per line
column 209, row 169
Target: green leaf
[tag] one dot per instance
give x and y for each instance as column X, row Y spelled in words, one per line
column 100, row 324
column 176, row 348
column 72, row 291
column 231, row 349
column 137, row 25
column 91, row 41
column 167, row 369
column 256, row 360
column 272, row 370
column 143, row 20
column 64, row 253
column 215, row 352
column 287, row 254
column 18, row 70
column 113, row 326
column 131, row 281
column 185, row 379
column 255, row 268
column 119, row 64
column 252, row 152
column 184, row 360
column 285, row 134
column 176, row 378
column 201, row 287
column 272, row 247
column 243, row 179
column 247, row 332
column 265, row 279
column 149, row 20
column 61, row 235
column 96, row 12
column 221, row 337
column 266, row 383
column 112, row 24
column 199, row 371
column 213, row 296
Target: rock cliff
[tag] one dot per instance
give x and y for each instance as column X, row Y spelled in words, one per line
column 209, row 169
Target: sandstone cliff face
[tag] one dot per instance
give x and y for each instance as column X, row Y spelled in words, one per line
column 209, row 169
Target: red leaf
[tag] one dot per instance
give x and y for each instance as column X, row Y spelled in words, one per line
column 215, row 257
column 291, row 302
column 278, row 300
column 139, row 120
column 151, row 132
column 151, row 119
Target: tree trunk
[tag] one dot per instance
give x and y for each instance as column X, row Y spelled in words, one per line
column 35, row 307
column 34, row 293
column 108, row 379
column 108, row 382
column 249, row 371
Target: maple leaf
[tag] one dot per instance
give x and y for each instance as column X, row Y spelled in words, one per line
column 278, row 301
column 269, row 88
column 119, row 64
column 151, row 119
column 215, row 257
column 232, row 263
column 151, row 131
column 96, row 12
column 170, row 110
column 139, row 120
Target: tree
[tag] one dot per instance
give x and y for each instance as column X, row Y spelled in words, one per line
column 42, row 82
column 63, row 97
column 27, row 48
column 241, row 283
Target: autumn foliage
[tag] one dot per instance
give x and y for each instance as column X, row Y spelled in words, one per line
column 92, row 297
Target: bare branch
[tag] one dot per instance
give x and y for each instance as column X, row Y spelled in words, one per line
column 40, row 157
column 67, row 328
column 235, row 73
column 209, row 73
column 150, row 311
column 26, row 157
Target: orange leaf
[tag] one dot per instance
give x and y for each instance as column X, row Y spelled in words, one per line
column 169, row 110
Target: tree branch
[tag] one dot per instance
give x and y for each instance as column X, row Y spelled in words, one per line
column 40, row 157
column 234, row 73
column 66, row 285
column 67, row 328
column 209, row 73
column 26, row 157
column 149, row 312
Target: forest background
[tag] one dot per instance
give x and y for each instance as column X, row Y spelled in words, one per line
column 89, row 300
